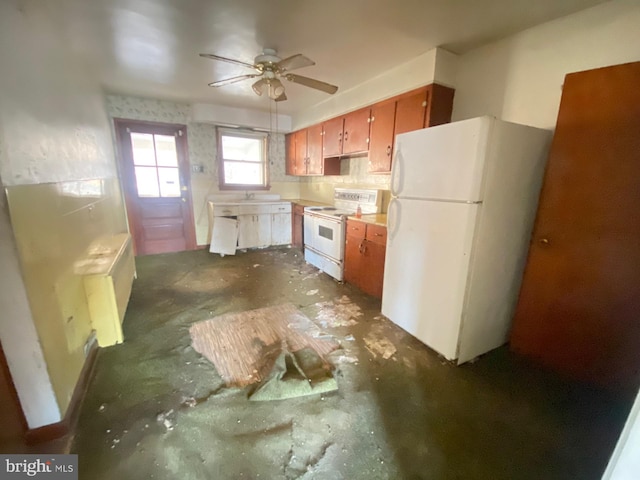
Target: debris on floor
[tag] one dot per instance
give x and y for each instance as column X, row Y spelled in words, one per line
column 295, row 375
column 341, row 312
column 244, row 346
column 378, row 344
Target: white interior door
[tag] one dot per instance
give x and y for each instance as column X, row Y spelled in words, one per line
column 425, row 275
column 443, row 162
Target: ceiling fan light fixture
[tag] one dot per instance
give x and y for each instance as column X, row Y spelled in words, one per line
column 258, row 87
column 276, row 88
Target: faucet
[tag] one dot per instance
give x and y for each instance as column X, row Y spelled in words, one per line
column 249, row 195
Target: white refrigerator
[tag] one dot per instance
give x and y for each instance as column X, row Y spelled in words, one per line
column 464, row 198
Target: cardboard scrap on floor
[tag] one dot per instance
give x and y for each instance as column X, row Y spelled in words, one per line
column 270, row 346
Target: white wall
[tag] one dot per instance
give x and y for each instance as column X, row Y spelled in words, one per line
column 55, row 126
column 520, row 77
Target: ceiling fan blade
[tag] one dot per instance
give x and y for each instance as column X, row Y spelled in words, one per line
column 228, row 81
column 295, row 61
column 311, row 82
column 228, row 60
column 282, row 97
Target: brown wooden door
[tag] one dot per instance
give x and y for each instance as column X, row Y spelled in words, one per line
column 410, row 111
column 355, row 138
column 12, row 419
column 155, row 176
column 332, row 137
column 381, row 136
column 290, row 153
column 314, row 150
column 579, row 306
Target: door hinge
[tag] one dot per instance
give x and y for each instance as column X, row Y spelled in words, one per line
column 128, row 130
column 179, row 133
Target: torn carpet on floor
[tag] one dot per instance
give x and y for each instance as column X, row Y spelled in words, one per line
column 267, row 346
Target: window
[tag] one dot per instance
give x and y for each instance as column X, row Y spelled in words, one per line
column 243, row 159
column 155, row 162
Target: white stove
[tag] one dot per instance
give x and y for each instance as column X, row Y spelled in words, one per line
column 324, row 228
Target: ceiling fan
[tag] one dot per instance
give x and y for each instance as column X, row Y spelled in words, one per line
column 271, row 69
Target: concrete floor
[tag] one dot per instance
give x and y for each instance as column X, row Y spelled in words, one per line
column 157, row 409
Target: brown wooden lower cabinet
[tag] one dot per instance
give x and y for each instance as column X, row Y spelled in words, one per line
column 297, row 226
column 364, row 256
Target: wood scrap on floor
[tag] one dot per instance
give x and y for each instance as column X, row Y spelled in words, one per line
column 244, row 346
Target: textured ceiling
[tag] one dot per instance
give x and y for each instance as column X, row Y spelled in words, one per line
column 150, row 47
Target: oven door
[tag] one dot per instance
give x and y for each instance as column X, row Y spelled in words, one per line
column 328, row 237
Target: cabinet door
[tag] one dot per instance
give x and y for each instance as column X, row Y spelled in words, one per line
column 381, row 136
column 247, row 231
column 373, row 255
column 439, row 105
column 410, row 111
column 263, row 226
column 297, row 238
column 301, row 152
column 290, row 154
column 281, row 229
column 353, row 260
column 332, row 137
column 355, row 137
column 314, row 150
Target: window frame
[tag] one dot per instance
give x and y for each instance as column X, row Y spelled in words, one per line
column 242, row 133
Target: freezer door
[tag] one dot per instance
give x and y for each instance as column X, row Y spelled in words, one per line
column 425, row 274
column 444, row 162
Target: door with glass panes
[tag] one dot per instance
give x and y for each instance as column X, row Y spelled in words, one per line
column 155, row 174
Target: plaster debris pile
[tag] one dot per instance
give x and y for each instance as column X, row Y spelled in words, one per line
column 338, row 313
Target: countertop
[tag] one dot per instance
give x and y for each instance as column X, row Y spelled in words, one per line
column 306, row 203
column 373, row 218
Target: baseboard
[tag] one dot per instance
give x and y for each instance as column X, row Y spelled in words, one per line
column 68, row 424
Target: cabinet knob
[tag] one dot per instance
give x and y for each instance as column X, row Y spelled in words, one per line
column 388, row 150
column 544, row 241
column 346, row 136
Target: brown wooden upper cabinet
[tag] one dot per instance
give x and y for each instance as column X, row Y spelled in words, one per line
column 347, row 135
column 383, row 117
column 304, row 153
column 371, row 129
column 424, row 107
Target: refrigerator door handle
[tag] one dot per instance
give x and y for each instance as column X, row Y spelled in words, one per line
column 393, row 218
column 396, row 173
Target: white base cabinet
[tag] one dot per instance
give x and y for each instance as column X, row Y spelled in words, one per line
column 258, row 225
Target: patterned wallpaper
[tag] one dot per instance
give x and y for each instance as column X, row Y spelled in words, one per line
column 201, row 137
